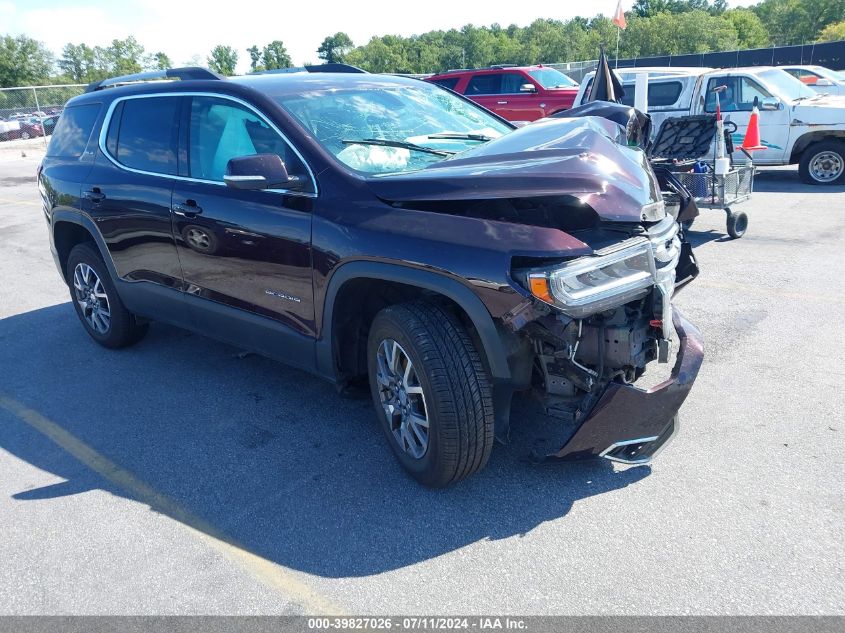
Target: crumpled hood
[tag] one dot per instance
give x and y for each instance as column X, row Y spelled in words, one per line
column 578, row 157
column 826, row 110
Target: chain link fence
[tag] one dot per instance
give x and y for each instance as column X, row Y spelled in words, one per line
column 31, row 112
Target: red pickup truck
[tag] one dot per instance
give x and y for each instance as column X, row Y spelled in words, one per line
column 516, row 93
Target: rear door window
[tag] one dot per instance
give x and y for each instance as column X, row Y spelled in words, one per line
column 486, row 84
column 143, row 134
column 73, row 131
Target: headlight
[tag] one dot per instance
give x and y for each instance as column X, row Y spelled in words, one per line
column 608, row 279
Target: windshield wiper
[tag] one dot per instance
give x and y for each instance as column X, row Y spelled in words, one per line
column 383, row 142
column 481, row 138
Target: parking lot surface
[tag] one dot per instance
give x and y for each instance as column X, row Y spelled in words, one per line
column 179, row 476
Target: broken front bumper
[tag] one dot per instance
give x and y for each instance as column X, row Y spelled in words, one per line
column 629, row 424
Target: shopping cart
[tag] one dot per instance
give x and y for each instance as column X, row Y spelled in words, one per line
column 679, row 147
column 721, row 191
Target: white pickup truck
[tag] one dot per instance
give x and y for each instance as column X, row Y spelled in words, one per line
column 797, row 124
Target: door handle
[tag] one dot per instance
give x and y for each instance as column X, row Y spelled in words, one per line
column 94, row 195
column 502, row 102
column 188, row 209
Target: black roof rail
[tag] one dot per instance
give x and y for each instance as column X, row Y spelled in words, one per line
column 317, row 68
column 186, row 73
column 491, row 67
column 335, row 68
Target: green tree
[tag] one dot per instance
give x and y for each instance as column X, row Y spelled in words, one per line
column 223, row 60
column 254, row 58
column 78, row 63
column 677, row 34
column 649, row 8
column 380, row 55
column 275, row 55
column 335, row 47
column 124, row 57
column 750, row 31
column 24, row 61
column 832, row 32
column 798, row 21
column 160, row 61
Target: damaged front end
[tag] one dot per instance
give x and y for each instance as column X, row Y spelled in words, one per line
column 594, row 324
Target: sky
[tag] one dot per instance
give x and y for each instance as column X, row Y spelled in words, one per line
column 185, row 28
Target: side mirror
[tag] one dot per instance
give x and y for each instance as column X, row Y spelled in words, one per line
column 770, row 103
column 528, row 88
column 259, row 171
column 824, row 83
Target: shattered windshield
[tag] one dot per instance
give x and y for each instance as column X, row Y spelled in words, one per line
column 395, row 124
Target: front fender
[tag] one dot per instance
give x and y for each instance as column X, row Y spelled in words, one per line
column 458, row 292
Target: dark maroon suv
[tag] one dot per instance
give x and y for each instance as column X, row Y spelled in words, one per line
column 383, row 231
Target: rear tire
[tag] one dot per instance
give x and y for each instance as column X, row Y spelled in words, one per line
column 447, row 384
column 97, row 303
column 823, row 163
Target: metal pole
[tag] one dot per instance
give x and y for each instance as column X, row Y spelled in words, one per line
column 40, row 118
column 618, row 31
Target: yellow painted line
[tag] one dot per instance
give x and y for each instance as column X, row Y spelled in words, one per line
column 725, row 285
column 285, row 581
column 27, row 202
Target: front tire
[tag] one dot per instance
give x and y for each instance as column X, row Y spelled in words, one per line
column 431, row 391
column 737, row 224
column 823, row 163
column 97, row 303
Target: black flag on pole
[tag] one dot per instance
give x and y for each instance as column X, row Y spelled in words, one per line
column 606, row 85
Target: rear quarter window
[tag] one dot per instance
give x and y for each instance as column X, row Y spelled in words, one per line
column 664, row 93
column 661, row 94
column 70, row 138
column 447, row 82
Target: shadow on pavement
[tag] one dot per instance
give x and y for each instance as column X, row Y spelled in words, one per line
column 269, row 456
column 787, row 181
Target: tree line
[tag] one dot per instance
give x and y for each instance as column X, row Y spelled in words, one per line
column 655, row 27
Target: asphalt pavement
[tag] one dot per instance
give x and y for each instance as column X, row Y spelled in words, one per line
column 182, row 477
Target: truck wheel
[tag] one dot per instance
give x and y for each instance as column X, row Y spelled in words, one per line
column 823, row 163
column 97, row 303
column 431, row 392
column 737, row 223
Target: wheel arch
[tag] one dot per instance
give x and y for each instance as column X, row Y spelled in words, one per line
column 70, row 229
column 805, row 140
column 350, row 290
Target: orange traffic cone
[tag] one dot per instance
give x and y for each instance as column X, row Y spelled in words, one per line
column 752, row 134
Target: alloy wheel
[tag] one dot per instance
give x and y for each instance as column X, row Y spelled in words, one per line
column 826, row 166
column 92, row 298
column 198, row 239
column 401, row 395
